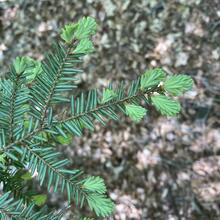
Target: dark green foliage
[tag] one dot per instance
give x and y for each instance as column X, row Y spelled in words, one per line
column 30, row 127
column 17, row 210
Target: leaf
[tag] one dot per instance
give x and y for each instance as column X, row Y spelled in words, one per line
column 102, row 205
column 28, row 66
column 2, row 158
column 81, row 30
column 85, row 46
column 165, row 105
column 85, row 28
column 64, row 140
column 39, row 199
column 94, row 184
column 67, row 33
column 20, row 209
column 26, row 176
column 152, row 78
column 33, row 68
column 19, row 64
column 178, row 84
column 108, row 95
column 135, row 112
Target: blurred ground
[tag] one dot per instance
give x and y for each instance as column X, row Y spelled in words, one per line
column 162, row 168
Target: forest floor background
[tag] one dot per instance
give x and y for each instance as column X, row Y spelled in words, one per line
column 161, row 168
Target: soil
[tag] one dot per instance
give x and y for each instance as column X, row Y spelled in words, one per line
column 161, row 168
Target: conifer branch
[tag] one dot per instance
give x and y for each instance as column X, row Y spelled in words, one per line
column 44, row 127
column 55, row 82
column 12, row 107
column 27, row 123
column 46, row 163
column 14, row 97
column 17, row 209
column 139, row 94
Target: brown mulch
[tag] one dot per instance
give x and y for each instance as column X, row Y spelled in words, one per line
column 161, row 168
